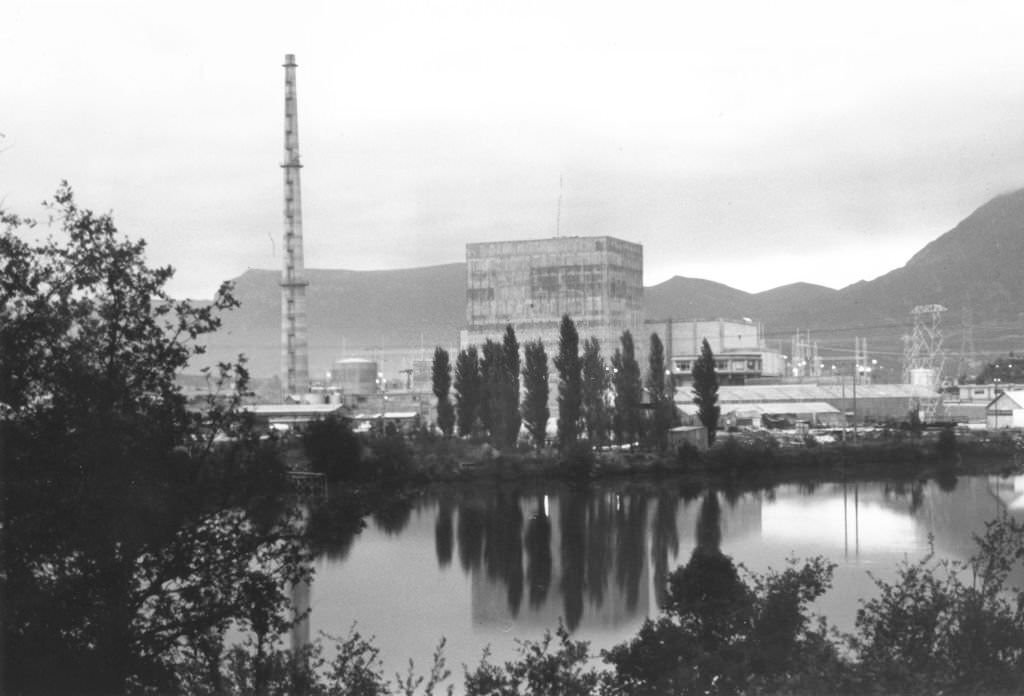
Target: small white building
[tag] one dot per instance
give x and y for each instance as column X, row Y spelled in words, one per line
column 1006, row 411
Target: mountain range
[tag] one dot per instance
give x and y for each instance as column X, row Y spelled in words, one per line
column 975, row 270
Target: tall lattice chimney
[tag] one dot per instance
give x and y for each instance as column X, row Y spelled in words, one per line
column 294, row 349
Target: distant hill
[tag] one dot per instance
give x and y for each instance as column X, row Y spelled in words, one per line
column 978, row 264
column 349, row 314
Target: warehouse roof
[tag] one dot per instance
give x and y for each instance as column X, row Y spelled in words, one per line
column 810, row 392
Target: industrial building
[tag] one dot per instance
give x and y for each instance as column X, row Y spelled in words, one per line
column 740, row 349
column 531, row 284
column 817, row 404
column 1006, row 411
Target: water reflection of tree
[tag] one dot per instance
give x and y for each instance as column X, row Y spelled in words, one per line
column 393, row 515
column 538, row 554
column 629, row 557
column 503, row 545
column 664, row 541
column 470, row 530
column 444, row 533
column 572, row 522
column 600, row 536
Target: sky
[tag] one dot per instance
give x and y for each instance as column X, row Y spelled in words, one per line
column 754, row 144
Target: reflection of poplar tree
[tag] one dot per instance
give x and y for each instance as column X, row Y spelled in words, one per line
column 470, row 530
column 708, row 589
column 503, row 547
column 444, row 533
column 709, row 526
column 538, row 554
column 664, row 541
column 630, row 557
column 600, row 534
column 572, row 522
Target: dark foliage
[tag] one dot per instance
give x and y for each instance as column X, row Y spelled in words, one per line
column 626, row 379
column 494, row 387
column 539, row 669
column 441, row 382
column 390, row 458
column 577, row 460
column 135, row 530
column 570, row 382
column 467, row 390
column 333, row 449
column 663, row 408
column 596, row 414
column 705, row 390
column 945, row 626
column 719, row 634
column 535, row 412
column 510, row 391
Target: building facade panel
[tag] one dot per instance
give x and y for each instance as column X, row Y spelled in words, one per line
column 531, row 284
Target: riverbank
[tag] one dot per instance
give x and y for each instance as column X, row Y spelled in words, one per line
column 393, row 468
column 734, row 457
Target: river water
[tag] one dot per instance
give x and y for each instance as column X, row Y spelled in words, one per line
column 486, row 564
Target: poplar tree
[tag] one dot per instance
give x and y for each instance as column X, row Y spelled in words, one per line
column 513, row 421
column 661, row 391
column 595, row 384
column 493, row 386
column 626, row 378
column 441, row 378
column 467, row 390
column 705, row 390
column 535, row 412
column 570, row 385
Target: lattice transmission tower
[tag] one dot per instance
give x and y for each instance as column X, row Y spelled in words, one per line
column 924, row 358
column 968, row 353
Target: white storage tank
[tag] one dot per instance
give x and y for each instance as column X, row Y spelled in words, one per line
column 355, row 376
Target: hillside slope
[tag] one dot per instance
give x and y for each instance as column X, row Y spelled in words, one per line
column 978, row 264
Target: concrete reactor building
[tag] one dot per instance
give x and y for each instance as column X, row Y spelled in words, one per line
column 597, row 281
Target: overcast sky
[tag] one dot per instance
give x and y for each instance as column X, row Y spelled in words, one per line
column 751, row 143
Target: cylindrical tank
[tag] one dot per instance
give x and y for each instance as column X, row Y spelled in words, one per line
column 355, row 376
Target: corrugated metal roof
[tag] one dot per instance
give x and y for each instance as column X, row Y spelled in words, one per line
column 811, row 392
column 769, row 407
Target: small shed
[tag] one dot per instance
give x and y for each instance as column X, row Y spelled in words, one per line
column 1006, row 411
column 696, row 435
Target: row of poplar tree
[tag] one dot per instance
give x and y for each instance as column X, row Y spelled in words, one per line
column 595, row 399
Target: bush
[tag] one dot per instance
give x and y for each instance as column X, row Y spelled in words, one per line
column 578, row 460
column 333, row 449
column 946, row 446
column 391, row 457
column 947, row 626
column 687, row 455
